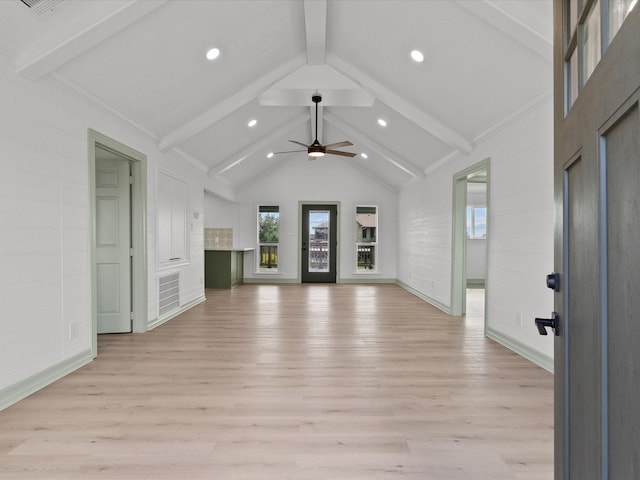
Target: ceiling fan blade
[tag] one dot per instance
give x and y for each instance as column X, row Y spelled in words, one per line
column 346, row 143
column 337, row 152
column 300, row 143
column 290, row 151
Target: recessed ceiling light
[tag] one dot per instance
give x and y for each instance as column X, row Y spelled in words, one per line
column 364, row 155
column 382, row 122
column 213, row 54
column 270, row 154
column 252, row 123
column 417, row 56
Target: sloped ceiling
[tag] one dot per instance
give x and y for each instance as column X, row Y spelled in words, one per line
column 486, row 63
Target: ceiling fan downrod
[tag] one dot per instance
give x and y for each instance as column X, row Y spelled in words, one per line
column 315, row 149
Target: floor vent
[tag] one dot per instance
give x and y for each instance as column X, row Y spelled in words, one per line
column 42, row 8
column 168, row 294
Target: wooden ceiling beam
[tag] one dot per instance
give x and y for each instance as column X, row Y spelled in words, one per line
column 396, row 160
column 226, row 107
column 402, row 106
column 108, row 18
column 315, row 22
column 258, row 145
column 517, row 30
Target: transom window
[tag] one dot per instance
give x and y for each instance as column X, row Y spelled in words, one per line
column 589, row 26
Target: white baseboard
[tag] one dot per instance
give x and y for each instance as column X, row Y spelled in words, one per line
column 540, row 359
column 439, row 305
column 183, row 308
column 365, row 279
column 271, row 280
column 28, row 386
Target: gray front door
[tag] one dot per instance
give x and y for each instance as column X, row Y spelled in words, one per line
column 597, row 252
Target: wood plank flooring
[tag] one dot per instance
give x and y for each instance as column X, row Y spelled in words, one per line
column 303, row 382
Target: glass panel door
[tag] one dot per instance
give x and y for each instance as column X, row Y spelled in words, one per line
column 318, row 243
column 319, row 251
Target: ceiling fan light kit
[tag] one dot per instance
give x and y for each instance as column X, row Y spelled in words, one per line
column 316, row 149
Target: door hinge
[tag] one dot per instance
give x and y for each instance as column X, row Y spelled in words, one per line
column 131, row 316
column 131, row 252
column 130, row 179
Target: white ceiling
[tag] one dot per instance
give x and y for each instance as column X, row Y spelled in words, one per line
column 487, row 62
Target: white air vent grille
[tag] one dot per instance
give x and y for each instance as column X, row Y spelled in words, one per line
column 168, row 294
column 42, row 8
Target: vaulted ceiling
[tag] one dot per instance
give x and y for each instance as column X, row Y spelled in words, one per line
column 486, row 63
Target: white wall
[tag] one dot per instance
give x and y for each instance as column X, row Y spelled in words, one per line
column 476, row 259
column 521, row 217
column 45, row 229
column 328, row 179
column 220, row 213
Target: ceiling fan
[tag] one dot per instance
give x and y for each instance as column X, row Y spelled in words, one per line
column 316, row 150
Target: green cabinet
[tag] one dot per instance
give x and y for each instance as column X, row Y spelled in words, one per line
column 223, row 268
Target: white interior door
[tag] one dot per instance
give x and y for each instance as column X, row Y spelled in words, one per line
column 113, row 246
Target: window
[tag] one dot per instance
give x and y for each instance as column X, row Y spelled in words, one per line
column 589, row 28
column 172, row 220
column 591, row 42
column 268, row 237
column 618, row 11
column 366, row 237
column 476, row 222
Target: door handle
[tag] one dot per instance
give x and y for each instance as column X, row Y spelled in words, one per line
column 543, row 323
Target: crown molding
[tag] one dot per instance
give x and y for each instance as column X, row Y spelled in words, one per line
column 95, row 102
column 532, row 105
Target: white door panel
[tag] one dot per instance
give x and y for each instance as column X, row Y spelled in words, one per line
column 113, row 241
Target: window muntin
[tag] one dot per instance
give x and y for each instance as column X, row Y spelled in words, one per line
column 366, row 237
column 589, row 28
column 268, row 237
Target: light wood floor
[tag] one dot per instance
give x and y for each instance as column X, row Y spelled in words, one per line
column 326, row 382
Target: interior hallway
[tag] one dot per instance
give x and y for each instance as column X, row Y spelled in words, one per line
column 292, row 382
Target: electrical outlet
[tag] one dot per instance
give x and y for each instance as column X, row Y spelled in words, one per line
column 74, row 331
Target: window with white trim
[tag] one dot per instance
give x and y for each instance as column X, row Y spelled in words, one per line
column 366, row 237
column 268, row 238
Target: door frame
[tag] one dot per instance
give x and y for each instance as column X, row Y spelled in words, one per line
column 139, row 290
column 459, row 239
column 300, row 233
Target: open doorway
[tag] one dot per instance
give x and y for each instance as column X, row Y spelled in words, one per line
column 476, row 257
column 110, row 160
column 470, row 242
